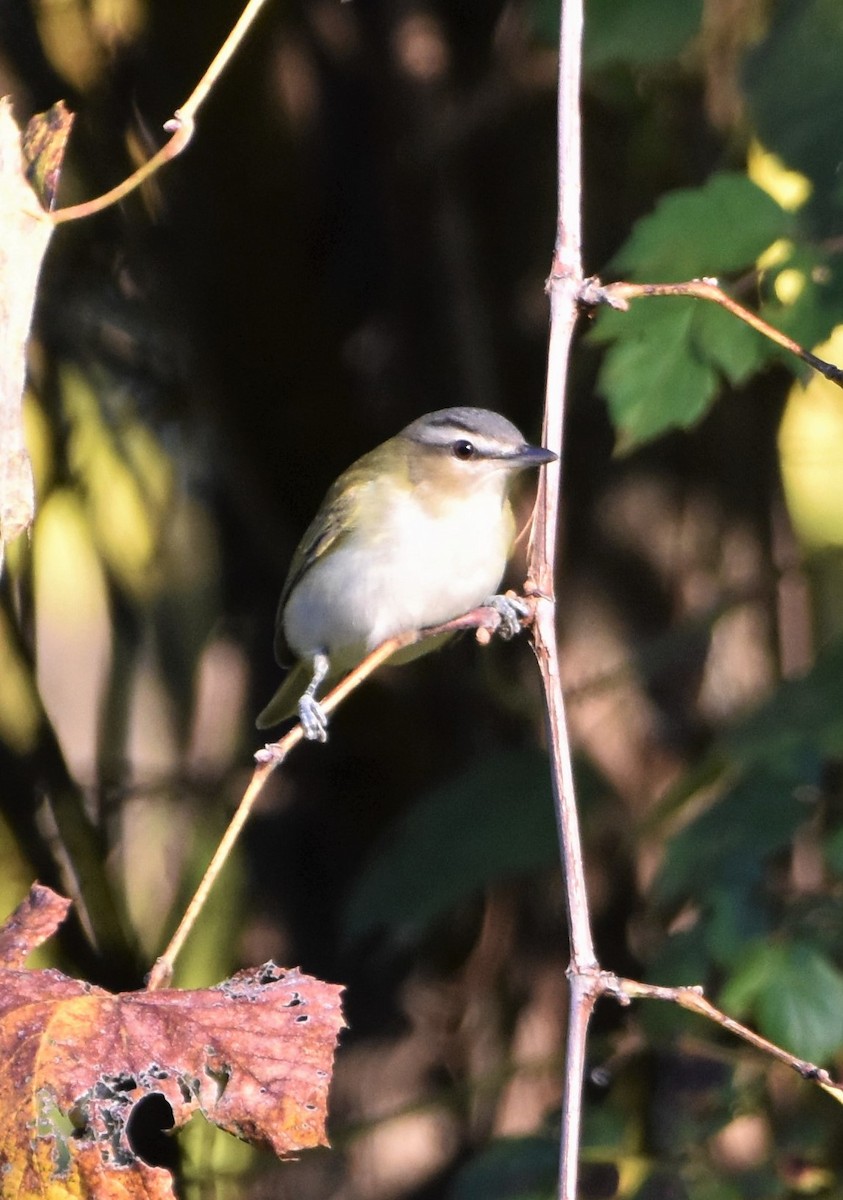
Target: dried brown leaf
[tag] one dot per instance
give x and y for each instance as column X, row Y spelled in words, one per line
column 44, row 143
column 33, row 921
column 253, row 1054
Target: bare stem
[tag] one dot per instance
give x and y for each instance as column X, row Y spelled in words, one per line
column 181, row 126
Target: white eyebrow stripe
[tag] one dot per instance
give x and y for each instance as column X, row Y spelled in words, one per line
column 445, row 435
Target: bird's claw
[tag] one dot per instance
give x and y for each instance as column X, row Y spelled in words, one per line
column 511, row 610
column 314, row 719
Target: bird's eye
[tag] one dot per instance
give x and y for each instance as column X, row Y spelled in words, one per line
column 462, row 449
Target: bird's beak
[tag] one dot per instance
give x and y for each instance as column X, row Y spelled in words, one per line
column 531, row 456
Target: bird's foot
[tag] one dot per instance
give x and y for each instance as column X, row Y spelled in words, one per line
column 314, row 719
column 512, row 610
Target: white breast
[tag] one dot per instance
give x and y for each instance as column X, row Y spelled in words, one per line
column 420, row 569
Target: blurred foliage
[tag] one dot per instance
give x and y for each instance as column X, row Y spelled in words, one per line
column 358, row 233
column 496, row 821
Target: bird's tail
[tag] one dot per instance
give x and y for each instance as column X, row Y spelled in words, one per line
column 285, row 701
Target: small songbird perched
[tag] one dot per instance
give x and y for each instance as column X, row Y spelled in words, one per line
column 416, row 532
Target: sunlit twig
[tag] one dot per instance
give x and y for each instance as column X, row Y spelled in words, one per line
column 619, row 294
column 181, row 126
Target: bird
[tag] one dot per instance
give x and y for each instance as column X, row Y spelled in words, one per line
column 416, row 532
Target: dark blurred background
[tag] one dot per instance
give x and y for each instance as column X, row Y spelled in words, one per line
column 359, row 233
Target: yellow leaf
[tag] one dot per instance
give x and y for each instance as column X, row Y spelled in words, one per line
column 811, row 452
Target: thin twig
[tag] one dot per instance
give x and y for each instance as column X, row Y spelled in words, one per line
column 484, row 620
column 181, row 126
column 692, row 999
column 619, row 294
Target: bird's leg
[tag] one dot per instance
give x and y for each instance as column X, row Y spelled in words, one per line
column 510, row 609
column 314, row 719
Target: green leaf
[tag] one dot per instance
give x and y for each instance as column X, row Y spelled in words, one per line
column 724, row 849
column 510, row 1169
column 739, row 996
column 720, row 227
column 682, row 960
column 668, row 354
column 735, row 916
column 652, row 377
column 494, row 821
column 733, row 347
column 833, row 850
column 638, row 32
column 794, row 993
column 785, row 738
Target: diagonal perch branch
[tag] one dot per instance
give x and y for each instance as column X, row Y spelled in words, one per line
column 484, row 620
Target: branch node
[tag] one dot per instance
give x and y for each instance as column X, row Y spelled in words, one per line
column 611, row 985
column 561, row 272
column 175, row 122
column 592, row 292
column 272, row 752
column 161, row 975
column 813, row 1073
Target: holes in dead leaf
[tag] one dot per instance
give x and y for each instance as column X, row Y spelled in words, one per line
column 153, row 1071
column 147, row 1131
column 270, row 972
column 221, row 1074
column 294, row 1001
column 114, row 1087
column 303, row 1019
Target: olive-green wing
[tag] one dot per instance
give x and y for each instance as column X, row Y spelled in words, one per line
column 326, row 531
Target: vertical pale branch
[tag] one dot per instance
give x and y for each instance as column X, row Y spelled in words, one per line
column 563, row 289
